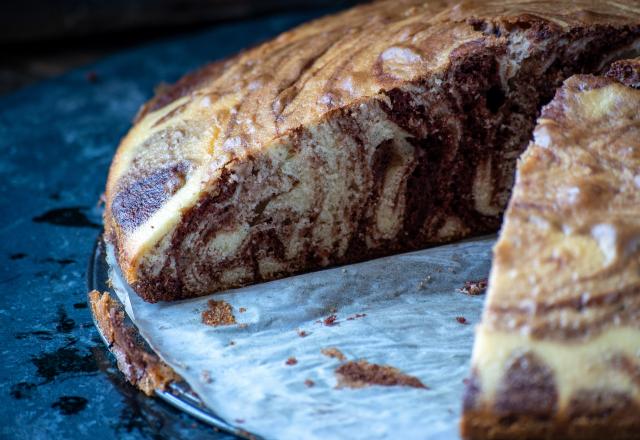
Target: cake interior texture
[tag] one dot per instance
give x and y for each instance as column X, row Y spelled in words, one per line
column 387, row 128
column 557, row 352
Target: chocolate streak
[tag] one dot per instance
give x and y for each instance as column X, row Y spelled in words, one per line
column 526, row 407
column 442, row 171
column 453, row 130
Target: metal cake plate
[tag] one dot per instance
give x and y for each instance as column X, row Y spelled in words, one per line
column 177, row 394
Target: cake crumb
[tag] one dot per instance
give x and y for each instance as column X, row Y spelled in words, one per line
column 333, row 352
column 462, row 320
column 291, row 361
column 330, row 320
column 206, row 376
column 309, row 383
column 219, row 313
column 242, row 309
column 302, row 333
column 243, row 325
column 359, row 374
column 474, row 287
column 232, row 343
column 356, row 316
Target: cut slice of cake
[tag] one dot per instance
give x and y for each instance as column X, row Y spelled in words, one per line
column 557, row 354
column 383, row 129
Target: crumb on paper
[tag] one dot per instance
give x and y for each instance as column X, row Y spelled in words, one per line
column 243, row 325
column 242, row 309
column 356, row 316
column 330, row 320
column 219, row 313
column 291, row 361
column 474, row 287
column 302, row 333
column 206, row 376
column 333, row 352
column 359, row 374
column 309, row 383
column 232, row 343
column 462, row 320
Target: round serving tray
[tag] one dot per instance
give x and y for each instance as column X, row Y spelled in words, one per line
column 176, row 394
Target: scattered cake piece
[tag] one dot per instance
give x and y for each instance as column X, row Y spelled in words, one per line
column 556, row 355
column 462, row 320
column 291, row 361
column 302, row 333
column 333, row 352
column 474, row 287
column 205, row 375
column 330, row 320
column 219, row 313
column 356, row 316
column 359, row 374
column 309, row 383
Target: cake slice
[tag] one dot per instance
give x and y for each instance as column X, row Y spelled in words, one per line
column 383, row 129
column 557, row 354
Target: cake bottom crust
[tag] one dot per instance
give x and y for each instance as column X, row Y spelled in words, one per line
column 144, row 370
column 622, row 424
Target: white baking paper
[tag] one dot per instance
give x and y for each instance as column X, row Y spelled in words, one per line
column 411, row 302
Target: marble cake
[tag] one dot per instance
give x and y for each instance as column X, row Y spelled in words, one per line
column 557, row 354
column 383, row 129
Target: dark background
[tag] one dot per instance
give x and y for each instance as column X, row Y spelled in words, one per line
column 60, row 122
column 40, row 39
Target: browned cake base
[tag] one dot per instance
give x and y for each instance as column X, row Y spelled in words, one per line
column 529, row 415
column 141, row 368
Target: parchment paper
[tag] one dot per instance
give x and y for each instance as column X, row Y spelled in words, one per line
column 411, row 302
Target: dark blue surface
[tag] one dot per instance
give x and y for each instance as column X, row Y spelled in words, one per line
column 57, row 139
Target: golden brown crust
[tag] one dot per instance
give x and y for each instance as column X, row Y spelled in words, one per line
column 142, row 369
